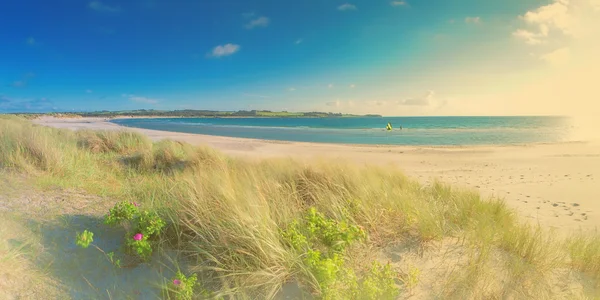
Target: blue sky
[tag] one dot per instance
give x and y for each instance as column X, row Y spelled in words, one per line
column 367, row 56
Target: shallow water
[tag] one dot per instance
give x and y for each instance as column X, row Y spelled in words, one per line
column 414, row 131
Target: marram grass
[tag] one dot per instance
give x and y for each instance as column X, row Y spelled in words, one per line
column 231, row 218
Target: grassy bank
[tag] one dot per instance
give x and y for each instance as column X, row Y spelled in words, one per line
column 258, row 229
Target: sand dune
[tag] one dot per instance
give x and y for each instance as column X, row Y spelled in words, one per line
column 555, row 185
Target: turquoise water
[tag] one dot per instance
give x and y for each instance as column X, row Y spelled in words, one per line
column 415, row 130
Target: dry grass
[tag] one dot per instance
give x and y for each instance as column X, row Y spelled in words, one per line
column 20, row 277
column 226, row 214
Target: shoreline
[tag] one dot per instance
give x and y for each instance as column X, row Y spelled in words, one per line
column 379, row 145
column 554, row 185
column 461, row 146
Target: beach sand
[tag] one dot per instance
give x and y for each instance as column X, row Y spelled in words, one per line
column 554, row 185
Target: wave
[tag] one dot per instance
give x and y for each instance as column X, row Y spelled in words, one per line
column 437, row 128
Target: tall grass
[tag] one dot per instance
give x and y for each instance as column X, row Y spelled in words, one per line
column 226, row 215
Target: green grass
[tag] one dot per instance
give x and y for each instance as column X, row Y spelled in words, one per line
column 239, row 223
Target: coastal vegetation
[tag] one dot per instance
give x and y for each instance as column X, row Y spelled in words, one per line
column 262, row 229
column 190, row 113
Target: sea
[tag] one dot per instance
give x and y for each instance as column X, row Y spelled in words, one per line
column 434, row 131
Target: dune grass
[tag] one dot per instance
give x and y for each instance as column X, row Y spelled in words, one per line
column 246, row 228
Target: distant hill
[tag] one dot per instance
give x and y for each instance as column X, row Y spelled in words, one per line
column 189, row 113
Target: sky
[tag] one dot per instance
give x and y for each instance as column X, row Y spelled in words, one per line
column 400, row 58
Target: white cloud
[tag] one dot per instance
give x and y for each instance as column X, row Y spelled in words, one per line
column 347, row 6
column 31, row 41
column 376, row 103
column 557, row 57
column 140, row 99
column 398, row 3
column 225, row 50
column 101, row 7
column 298, row 41
column 352, row 86
column 529, row 37
column 19, row 83
column 335, row 103
column 425, row 100
column 89, row 91
column 473, row 20
column 255, row 95
column 555, row 15
column 259, row 22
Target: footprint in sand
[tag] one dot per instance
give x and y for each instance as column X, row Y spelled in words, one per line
column 575, row 204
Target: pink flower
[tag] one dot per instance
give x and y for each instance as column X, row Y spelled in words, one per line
column 138, row 237
column 135, row 204
column 176, row 281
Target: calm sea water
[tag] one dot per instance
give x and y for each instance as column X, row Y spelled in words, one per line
column 415, row 130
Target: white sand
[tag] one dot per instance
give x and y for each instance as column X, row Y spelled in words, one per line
column 555, row 185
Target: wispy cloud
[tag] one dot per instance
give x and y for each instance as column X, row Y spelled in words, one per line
column 140, row 99
column 529, row 37
column 24, row 81
column 89, row 91
column 425, row 100
column 19, row 83
column 224, row 50
column 256, row 96
column 473, row 20
column 558, row 57
column 104, row 8
column 398, row 3
column 291, row 89
column 335, row 103
column 352, row 86
column 346, row 7
column 258, row 22
column 8, row 104
column 298, row 41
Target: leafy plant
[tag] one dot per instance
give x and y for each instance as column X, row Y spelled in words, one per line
column 122, row 211
column 411, row 278
column 322, row 241
column 183, row 287
column 379, row 283
column 111, row 258
column 334, row 235
column 84, row 239
column 146, row 226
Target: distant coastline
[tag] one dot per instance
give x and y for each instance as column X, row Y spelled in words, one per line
column 188, row 113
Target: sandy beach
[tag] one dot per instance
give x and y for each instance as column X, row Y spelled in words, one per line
column 555, row 185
